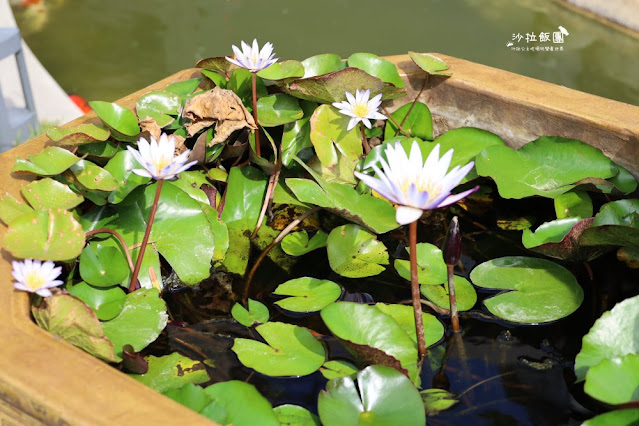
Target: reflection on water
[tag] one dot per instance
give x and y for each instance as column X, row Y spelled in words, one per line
column 104, row 52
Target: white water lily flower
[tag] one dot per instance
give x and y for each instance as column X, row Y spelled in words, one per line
column 359, row 108
column 252, row 58
column 158, row 158
column 415, row 185
column 35, row 277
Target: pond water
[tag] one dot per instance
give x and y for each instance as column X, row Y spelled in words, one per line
column 105, row 52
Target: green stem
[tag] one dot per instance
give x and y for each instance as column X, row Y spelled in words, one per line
column 399, row 126
column 145, row 240
column 414, row 283
column 257, row 131
column 367, row 147
column 454, row 318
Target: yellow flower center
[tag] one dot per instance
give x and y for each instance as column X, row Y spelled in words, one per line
column 34, row 280
column 360, row 110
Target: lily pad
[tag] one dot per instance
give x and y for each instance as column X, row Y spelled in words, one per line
column 614, row 381
column 120, row 167
column 106, row 302
column 161, row 106
column 383, row 397
column 117, row 118
column 140, row 322
column 215, row 77
column 278, row 109
column 50, row 161
column 613, row 335
column 191, row 181
column 78, row 135
column 297, row 135
column 437, row 400
column 573, row 204
column 45, row 234
column 282, row 70
column 47, row 193
column 93, row 177
column 430, row 63
column 257, row 313
column 322, row 64
column 183, row 88
column 419, row 123
column 307, row 294
column 377, row 67
column 99, row 149
column 431, row 268
column 537, row 290
column 465, row 294
column 336, row 368
column 12, row 209
column 330, row 137
column 190, row 395
column 548, row 167
column 298, row 243
column 617, row 223
column 561, row 239
column 243, row 405
column 404, row 315
column 615, row 418
column 72, row 320
column 289, row 350
column 103, row 264
column 171, row 372
column 294, row 415
column 218, row 63
column 354, row 252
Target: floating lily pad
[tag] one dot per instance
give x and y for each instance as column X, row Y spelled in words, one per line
column 404, row 315
column 354, row 252
column 12, row 209
column 307, row 294
column 289, row 350
column 283, row 70
column 437, row 400
column 218, row 63
column 561, row 239
column 72, row 320
column 79, row 135
column 614, row 381
column 418, row 124
column 377, row 67
column 613, row 335
column 465, row 294
column 171, row 372
column 120, row 167
column 106, row 302
column 430, row 63
column 383, row 396
column 431, row 268
column 99, row 149
column 45, row 234
column 617, row 223
column 183, row 88
column 615, row 418
column 573, row 204
column 47, row 193
column 537, row 290
column 191, row 396
column 161, row 106
column 140, row 322
column 242, row 403
column 278, row 109
column 122, row 122
column 103, row 264
column 191, row 181
column 335, row 369
column 330, row 137
column 322, row 64
column 93, row 177
column 548, row 167
column 257, row 313
column 49, row 162
column 294, row 415
column 298, row 243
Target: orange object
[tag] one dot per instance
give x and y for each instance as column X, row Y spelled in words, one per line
column 26, row 3
column 77, row 99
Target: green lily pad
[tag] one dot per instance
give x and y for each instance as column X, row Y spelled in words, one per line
column 103, row 264
column 297, row 135
column 218, row 63
column 72, row 320
column 465, row 294
column 298, row 243
column 215, row 77
column 537, row 290
column 617, row 223
column 405, row 317
column 561, row 239
column 549, row 232
column 190, row 395
column 430, row 63
column 437, row 400
column 336, row 368
column 383, row 397
column 79, row 135
column 419, row 123
column 191, row 181
column 243, row 405
column 613, row 335
column 241, row 82
column 161, row 106
column 614, row 381
column 377, row 67
column 573, row 204
column 49, row 162
column 322, row 64
column 331, row 87
column 289, row 350
column 93, row 177
column 120, row 167
column 278, row 109
column 548, row 167
column 431, row 268
column 140, row 322
column 183, row 88
column 354, row 252
column 12, row 209
column 257, row 313
column 615, row 418
column 307, row 294
column 47, row 193
column 106, row 302
column 45, row 234
column 99, row 149
column 282, row 70
column 330, row 137
column 294, row 415
column 171, row 372
column 122, row 122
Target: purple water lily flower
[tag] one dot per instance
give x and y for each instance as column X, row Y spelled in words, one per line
column 252, row 58
column 35, row 277
column 158, row 158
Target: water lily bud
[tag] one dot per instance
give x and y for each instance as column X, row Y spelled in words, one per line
column 452, row 243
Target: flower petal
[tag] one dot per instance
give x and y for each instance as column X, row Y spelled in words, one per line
column 406, row 214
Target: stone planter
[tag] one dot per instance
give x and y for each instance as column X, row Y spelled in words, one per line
column 44, row 380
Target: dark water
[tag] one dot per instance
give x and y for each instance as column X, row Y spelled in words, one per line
column 105, row 50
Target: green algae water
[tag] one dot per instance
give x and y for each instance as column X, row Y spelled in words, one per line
column 103, row 51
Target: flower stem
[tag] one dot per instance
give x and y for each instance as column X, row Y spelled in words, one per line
column 367, row 147
column 399, row 126
column 454, row 318
column 127, row 253
column 145, row 240
column 417, row 305
column 257, row 131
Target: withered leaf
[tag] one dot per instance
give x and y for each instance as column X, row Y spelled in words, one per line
column 150, row 125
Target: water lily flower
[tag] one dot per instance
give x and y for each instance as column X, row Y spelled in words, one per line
column 415, row 185
column 252, row 58
column 35, row 277
column 360, row 108
column 158, row 158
